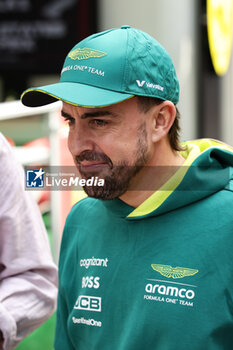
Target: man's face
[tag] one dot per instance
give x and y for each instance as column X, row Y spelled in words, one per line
column 110, row 143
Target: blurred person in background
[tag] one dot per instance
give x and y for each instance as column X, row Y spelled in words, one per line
column 28, row 276
column 146, row 259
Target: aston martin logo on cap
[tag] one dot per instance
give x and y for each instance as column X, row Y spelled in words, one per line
column 85, row 53
column 174, row 272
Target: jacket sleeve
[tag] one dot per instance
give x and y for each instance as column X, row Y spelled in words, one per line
column 28, row 276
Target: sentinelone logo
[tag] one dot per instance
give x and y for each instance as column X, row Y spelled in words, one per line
column 58, row 180
column 89, row 322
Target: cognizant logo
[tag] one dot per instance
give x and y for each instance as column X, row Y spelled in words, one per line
column 94, row 262
column 170, row 291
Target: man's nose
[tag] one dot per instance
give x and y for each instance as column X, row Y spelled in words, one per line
column 79, row 140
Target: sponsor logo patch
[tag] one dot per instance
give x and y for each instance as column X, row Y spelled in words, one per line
column 90, row 322
column 173, row 272
column 168, row 291
column 90, row 282
column 149, row 85
column 88, row 303
column 85, row 53
column 94, row 262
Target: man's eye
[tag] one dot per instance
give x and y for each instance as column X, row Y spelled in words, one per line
column 98, row 122
column 69, row 120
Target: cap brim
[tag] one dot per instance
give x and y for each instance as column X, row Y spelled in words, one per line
column 73, row 93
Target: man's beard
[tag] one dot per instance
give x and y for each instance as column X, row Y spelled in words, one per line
column 117, row 178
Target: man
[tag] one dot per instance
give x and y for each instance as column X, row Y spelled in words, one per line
column 28, row 276
column 146, row 260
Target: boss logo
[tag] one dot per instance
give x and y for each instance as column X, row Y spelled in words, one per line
column 88, row 303
column 90, row 282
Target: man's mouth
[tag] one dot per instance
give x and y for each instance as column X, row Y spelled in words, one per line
column 92, row 166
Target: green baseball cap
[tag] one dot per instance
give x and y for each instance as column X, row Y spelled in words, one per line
column 110, row 67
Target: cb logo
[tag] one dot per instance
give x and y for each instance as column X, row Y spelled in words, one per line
column 88, row 303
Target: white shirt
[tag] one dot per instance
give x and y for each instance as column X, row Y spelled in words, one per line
column 28, row 276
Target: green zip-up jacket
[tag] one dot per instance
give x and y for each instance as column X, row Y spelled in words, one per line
column 158, row 277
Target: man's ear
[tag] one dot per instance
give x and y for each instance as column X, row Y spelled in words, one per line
column 162, row 120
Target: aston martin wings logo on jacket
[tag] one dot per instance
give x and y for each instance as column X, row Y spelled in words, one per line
column 85, row 53
column 174, row 272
